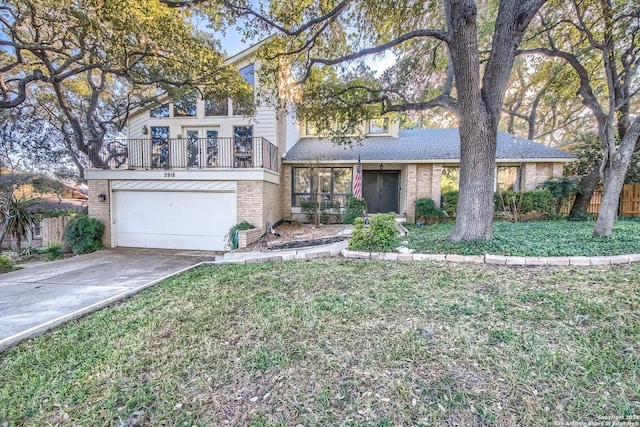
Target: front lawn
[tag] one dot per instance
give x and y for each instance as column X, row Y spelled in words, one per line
column 531, row 238
column 340, row 342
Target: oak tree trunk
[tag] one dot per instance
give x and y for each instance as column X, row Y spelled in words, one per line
column 615, row 172
column 474, row 218
column 586, row 186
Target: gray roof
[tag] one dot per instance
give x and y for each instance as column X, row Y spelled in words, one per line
column 419, row 145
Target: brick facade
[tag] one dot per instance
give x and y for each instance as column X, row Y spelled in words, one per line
column 258, row 202
column 534, row 174
column 101, row 210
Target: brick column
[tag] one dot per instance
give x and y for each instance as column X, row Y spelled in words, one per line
column 436, row 183
column 411, row 188
column 101, row 210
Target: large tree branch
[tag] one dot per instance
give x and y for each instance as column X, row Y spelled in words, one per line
column 438, row 34
column 247, row 11
column 588, row 97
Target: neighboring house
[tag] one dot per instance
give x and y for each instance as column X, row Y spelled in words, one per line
column 44, row 194
column 190, row 170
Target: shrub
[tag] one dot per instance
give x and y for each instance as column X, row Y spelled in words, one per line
column 84, row 234
column 524, row 201
column 450, row 202
column 382, row 235
column 356, row 208
column 53, row 252
column 6, row 264
column 19, row 218
column 231, row 239
column 309, row 209
column 562, row 190
column 426, row 208
column 328, row 208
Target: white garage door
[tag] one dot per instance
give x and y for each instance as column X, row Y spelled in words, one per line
column 173, row 219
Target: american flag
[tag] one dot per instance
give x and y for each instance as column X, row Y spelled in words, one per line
column 357, row 182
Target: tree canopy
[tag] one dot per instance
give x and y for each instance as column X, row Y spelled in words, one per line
column 87, row 64
column 452, row 54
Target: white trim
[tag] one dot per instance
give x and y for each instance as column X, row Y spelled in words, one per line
column 213, row 174
column 429, row 161
column 199, row 186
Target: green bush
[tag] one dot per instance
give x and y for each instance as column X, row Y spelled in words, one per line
column 6, row 264
column 84, row 234
column 309, row 209
column 450, row 202
column 231, row 239
column 356, row 208
column 53, row 252
column 525, row 201
column 562, row 190
column 426, row 208
column 382, row 235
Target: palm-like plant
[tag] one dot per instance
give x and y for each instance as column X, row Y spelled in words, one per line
column 18, row 220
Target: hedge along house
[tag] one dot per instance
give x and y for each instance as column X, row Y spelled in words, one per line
column 399, row 167
column 188, row 170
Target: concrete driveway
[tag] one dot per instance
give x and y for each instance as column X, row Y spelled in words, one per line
column 40, row 297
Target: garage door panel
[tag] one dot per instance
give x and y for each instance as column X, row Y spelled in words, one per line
column 174, row 220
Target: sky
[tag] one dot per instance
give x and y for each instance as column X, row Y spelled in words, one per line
column 233, row 42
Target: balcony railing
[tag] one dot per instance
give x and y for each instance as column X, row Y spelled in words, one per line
column 186, row 153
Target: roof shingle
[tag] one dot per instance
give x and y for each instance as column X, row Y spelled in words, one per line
column 419, row 145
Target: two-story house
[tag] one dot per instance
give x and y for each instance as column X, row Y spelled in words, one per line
column 190, row 169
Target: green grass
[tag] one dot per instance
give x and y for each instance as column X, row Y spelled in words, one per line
column 338, row 342
column 531, row 238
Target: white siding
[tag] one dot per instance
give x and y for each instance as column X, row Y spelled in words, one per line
column 135, row 125
column 292, row 129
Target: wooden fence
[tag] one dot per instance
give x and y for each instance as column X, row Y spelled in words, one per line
column 629, row 201
column 52, row 229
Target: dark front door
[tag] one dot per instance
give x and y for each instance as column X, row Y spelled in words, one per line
column 381, row 190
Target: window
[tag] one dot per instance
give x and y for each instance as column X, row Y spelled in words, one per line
column 332, row 184
column 379, row 126
column 216, row 107
column 450, row 179
column 508, row 178
column 247, row 73
column 185, row 107
column 159, row 146
column 161, row 111
column 212, row 147
column 243, row 146
column 244, row 106
column 310, row 129
column 193, row 138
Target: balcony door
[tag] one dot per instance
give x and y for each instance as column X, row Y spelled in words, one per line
column 200, row 147
column 243, row 146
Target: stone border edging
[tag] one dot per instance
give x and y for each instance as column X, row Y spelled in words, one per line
column 493, row 259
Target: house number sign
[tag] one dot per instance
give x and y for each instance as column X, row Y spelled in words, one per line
column 169, row 174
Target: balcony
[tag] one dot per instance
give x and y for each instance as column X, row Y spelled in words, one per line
column 186, row 153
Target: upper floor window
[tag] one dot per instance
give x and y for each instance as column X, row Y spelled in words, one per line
column 216, row 107
column 186, row 107
column 161, row 111
column 379, row 126
column 310, row 129
column 247, row 73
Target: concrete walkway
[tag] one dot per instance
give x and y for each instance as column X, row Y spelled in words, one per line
column 42, row 296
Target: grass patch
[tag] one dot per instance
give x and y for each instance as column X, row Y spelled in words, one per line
column 338, row 342
column 531, row 238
